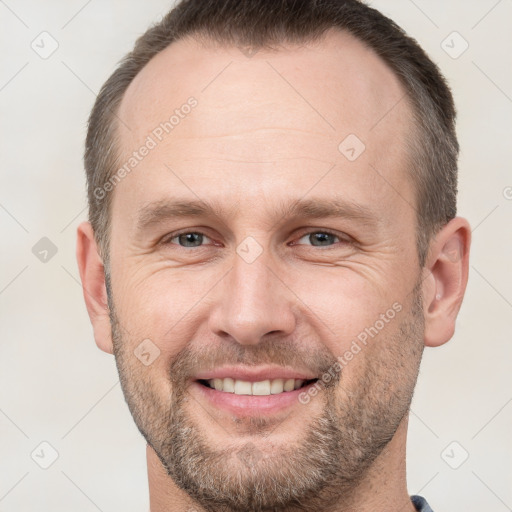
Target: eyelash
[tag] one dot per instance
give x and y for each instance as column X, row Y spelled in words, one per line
column 167, row 241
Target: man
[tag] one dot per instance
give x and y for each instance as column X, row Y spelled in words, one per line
column 272, row 242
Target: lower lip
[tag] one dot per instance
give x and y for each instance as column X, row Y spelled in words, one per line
column 248, row 405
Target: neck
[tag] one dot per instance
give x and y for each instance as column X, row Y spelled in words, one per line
column 384, row 487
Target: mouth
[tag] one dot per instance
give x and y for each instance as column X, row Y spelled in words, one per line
column 246, row 399
column 261, row 388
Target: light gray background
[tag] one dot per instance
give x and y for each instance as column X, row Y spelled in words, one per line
column 56, row 386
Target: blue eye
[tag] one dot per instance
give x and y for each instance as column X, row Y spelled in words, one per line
column 193, row 238
column 320, row 238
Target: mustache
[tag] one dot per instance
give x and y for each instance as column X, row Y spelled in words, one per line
column 305, row 355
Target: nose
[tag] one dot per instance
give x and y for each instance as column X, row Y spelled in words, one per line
column 252, row 301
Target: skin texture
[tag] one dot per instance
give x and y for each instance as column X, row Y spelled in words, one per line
column 264, row 134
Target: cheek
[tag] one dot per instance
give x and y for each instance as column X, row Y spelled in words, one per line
column 346, row 302
column 168, row 306
column 154, row 299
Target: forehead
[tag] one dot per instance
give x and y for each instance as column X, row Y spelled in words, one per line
column 262, row 121
column 336, row 79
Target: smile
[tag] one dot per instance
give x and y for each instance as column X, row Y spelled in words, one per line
column 261, row 388
column 245, row 398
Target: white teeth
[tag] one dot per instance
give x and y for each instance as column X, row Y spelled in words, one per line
column 228, row 385
column 277, row 386
column 243, row 387
column 262, row 388
column 289, row 385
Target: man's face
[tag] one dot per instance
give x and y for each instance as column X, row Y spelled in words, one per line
column 258, row 286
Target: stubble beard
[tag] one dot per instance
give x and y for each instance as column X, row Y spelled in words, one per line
column 316, row 472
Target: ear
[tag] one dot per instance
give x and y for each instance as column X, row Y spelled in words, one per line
column 447, row 267
column 92, row 274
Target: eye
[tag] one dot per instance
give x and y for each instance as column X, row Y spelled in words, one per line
column 195, row 239
column 322, row 238
column 187, row 239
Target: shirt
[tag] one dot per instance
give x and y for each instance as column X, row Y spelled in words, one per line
column 421, row 504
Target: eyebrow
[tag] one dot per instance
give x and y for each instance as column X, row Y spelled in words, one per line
column 160, row 211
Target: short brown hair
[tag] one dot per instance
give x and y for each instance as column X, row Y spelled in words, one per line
column 259, row 24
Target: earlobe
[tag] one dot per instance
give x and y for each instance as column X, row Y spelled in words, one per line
column 92, row 275
column 443, row 289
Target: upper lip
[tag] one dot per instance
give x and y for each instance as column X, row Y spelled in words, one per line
column 254, row 374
